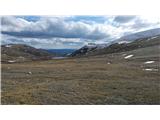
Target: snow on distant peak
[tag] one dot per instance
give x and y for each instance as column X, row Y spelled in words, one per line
column 97, row 46
column 153, row 33
column 121, row 42
column 152, row 38
column 101, row 46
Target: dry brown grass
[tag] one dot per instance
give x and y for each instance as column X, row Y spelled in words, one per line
column 80, row 81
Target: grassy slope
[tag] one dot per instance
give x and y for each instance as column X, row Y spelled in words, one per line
column 84, row 80
column 21, row 53
column 115, row 48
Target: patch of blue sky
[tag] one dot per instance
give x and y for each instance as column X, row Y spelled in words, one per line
column 96, row 19
column 30, row 18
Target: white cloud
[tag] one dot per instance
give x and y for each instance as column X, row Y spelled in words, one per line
column 63, row 31
column 50, row 27
column 45, row 42
column 11, row 23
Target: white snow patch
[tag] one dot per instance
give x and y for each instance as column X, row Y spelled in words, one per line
column 121, row 42
column 90, row 45
column 149, row 62
column 97, row 46
column 150, row 69
column 128, row 56
column 152, row 38
column 11, row 61
column 59, row 58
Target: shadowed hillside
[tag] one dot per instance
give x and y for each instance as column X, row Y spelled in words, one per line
column 20, row 53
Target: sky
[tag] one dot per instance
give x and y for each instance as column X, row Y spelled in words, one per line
column 71, row 32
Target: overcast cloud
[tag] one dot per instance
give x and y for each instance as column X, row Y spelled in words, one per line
column 71, row 31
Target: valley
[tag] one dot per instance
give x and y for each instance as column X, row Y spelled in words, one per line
column 107, row 79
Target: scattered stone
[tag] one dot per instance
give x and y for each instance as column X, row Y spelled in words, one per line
column 21, row 57
column 29, row 73
column 28, row 80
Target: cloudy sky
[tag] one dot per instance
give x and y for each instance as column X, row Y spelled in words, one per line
column 57, row 32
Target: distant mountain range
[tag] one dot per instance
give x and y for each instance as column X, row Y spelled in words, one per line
column 126, row 43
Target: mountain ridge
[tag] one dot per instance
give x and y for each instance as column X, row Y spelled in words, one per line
column 122, row 44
